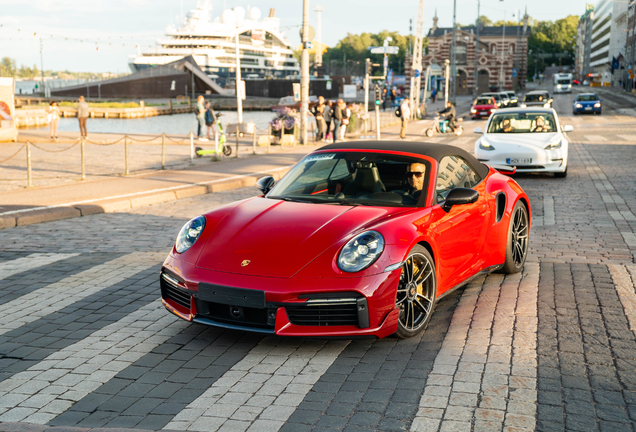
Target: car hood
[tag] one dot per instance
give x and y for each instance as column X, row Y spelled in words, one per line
column 272, row 238
column 532, row 140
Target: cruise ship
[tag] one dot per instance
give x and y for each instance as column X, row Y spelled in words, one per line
column 264, row 51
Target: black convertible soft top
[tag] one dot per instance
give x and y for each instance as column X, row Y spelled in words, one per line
column 435, row 151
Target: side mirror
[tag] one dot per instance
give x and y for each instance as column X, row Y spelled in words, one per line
column 265, row 184
column 460, row 196
column 568, row 128
column 477, row 130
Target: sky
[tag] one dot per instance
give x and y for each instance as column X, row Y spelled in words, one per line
column 98, row 36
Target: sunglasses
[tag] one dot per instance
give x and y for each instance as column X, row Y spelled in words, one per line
column 417, row 174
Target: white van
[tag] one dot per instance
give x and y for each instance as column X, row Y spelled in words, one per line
column 562, row 83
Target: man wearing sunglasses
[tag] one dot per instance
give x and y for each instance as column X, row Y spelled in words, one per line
column 415, row 179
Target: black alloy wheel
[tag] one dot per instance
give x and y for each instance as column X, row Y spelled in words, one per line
column 416, row 292
column 517, row 245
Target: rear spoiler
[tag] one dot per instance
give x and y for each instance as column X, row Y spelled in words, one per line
column 504, row 169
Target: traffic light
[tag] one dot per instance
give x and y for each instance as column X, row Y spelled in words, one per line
column 378, row 97
column 369, row 67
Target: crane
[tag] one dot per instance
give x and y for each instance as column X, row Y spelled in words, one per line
column 417, row 61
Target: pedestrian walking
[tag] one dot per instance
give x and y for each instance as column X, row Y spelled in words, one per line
column 82, row 115
column 337, row 119
column 346, row 117
column 200, row 110
column 405, row 114
column 385, row 98
column 328, row 115
column 393, row 97
column 54, row 118
column 209, row 119
column 318, row 113
column 433, row 95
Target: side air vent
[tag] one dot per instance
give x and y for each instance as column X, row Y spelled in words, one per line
column 501, row 205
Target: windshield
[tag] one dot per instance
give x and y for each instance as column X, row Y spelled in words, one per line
column 522, row 123
column 496, row 96
column 512, row 95
column 564, row 81
column 484, row 101
column 356, row 178
column 587, row 98
column 535, row 98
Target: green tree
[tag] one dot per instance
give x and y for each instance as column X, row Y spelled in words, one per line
column 7, row 67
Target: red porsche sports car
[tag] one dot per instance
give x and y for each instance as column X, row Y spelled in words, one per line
column 358, row 239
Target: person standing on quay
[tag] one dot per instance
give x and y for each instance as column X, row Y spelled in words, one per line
column 328, row 116
column 318, row 113
column 54, row 119
column 405, row 114
column 201, row 118
column 209, row 118
column 82, row 115
column 337, row 119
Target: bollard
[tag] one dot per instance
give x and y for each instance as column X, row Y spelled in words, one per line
column 191, row 148
column 163, row 150
column 254, row 141
column 269, row 137
column 217, row 156
column 237, row 137
column 82, row 158
column 28, row 155
column 126, row 154
column 170, row 105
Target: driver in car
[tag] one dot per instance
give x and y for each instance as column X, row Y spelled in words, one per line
column 415, row 178
column 506, row 126
column 542, row 125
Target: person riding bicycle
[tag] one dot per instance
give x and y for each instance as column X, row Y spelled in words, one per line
column 451, row 114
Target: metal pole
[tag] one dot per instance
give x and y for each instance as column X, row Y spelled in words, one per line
column 126, row 172
column 476, row 72
column 191, row 148
column 82, row 158
column 254, row 141
column 216, row 144
column 304, row 74
column 377, row 122
column 503, row 37
column 447, row 81
column 318, row 59
column 453, row 68
column 239, row 101
column 42, row 67
column 237, row 138
column 427, row 79
column 366, row 85
column 163, row 150
column 28, row 154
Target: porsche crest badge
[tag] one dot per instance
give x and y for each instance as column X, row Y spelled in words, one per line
column 245, row 262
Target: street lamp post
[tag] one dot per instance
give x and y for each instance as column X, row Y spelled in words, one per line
column 304, row 74
column 476, row 72
column 453, row 59
column 503, row 41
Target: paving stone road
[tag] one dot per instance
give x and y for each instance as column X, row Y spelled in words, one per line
column 85, row 342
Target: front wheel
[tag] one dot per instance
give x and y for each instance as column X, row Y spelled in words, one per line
column 429, row 132
column 517, row 243
column 416, row 293
column 197, row 150
column 227, row 150
column 562, row 174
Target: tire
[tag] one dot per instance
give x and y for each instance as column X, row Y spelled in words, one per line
column 517, row 240
column 197, row 150
column 563, row 174
column 459, row 130
column 416, row 302
column 227, row 150
column 429, row 132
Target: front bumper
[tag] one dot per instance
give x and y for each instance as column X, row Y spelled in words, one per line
column 306, row 307
column 584, row 110
column 543, row 161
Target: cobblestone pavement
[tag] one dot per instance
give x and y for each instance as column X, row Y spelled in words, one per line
column 85, row 342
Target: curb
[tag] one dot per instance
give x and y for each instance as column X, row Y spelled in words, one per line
column 30, row 427
column 54, row 213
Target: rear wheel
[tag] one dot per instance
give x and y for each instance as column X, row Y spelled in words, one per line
column 197, row 150
column 517, row 244
column 429, row 132
column 416, row 293
column 227, row 150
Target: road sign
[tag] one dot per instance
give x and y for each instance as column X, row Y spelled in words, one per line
column 296, row 88
column 514, row 72
column 308, row 45
column 384, row 50
column 312, row 33
column 417, row 73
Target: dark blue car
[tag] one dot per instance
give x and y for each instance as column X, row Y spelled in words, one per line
column 587, row 103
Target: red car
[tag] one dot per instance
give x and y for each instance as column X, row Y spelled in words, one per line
column 483, row 107
column 358, row 239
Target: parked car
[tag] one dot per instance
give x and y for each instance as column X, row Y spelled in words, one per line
column 514, row 100
column 531, row 139
column 505, row 97
column 482, row 107
column 498, row 98
column 587, row 103
column 357, row 239
column 537, row 98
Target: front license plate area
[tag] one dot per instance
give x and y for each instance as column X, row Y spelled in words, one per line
column 519, row 161
column 588, row 108
column 231, row 296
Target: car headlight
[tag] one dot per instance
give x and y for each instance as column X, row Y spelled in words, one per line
column 485, row 145
column 473, row 110
column 546, row 105
column 553, row 145
column 189, row 234
column 558, row 85
column 524, row 106
column 361, row 251
column 579, row 106
column 597, row 105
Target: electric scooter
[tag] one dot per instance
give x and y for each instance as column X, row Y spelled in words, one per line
column 441, row 126
column 226, row 149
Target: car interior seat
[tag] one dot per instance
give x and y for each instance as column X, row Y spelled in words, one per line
column 366, row 180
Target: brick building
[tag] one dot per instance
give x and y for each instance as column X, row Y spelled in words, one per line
column 514, row 44
column 630, row 48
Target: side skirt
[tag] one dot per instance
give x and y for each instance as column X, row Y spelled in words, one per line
column 487, row 270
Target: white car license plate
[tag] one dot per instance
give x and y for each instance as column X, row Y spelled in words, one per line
column 588, row 108
column 518, row 161
column 483, row 112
